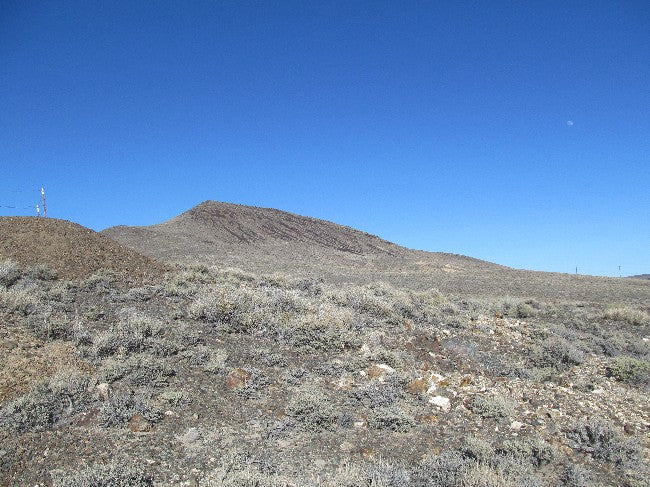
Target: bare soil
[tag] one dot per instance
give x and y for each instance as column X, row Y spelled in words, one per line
column 68, row 248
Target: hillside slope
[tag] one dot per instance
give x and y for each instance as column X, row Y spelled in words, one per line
column 68, row 248
column 263, row 240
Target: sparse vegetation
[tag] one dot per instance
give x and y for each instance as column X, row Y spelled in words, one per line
column 216, row 376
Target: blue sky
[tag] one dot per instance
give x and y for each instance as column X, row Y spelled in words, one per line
column 516, row 132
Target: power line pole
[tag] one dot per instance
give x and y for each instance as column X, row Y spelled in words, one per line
column 43, row 201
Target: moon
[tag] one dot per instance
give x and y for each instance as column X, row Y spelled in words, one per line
column 569, row 123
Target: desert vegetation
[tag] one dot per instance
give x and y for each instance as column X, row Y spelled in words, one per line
column 212, row 376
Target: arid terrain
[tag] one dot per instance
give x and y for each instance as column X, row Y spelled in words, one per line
column 240, row 346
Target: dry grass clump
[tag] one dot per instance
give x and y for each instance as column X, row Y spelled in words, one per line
column 627, row 315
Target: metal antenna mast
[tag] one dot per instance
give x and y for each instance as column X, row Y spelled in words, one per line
column 43, row 201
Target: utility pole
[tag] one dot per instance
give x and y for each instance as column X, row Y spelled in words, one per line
column 576, row 270
column 43, row 201
column 619, row 271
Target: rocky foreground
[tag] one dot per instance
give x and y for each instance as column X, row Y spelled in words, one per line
column 205, row 376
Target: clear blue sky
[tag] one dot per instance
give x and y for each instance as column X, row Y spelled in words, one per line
column 517, row 132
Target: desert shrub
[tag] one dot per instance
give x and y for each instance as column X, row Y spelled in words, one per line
column 234, row 308
column 529, row 450
column 216, row 362
column 390, row 417
column 146, row 371
column 9, row 273
column 600, row 440
column 630, row 370
column 574, row 475
column 372, row 300
column 238, row 469
column 127, row 336
column 492, row 406
column 627, row 315
column 101, row 281
column 102, row 475
column 269, row 358
column 50, row 327
column 556, row 352
column 327, row 329
column 122, row 406
column 254, row 385
column 18, row 302
column 41, row 272
column 164, row 347
column 524, row 310
column 312, row 410
column 477, row 449
column 62, row 292
column 175, row 397
column 378, row 394
column 140, row 294
column 47, row 403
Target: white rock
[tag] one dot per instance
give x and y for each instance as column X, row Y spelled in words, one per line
column 103, row 390
column 600, row 390
column 358, row 424
column 432, row 388
column 516, row 425
column 441, row 401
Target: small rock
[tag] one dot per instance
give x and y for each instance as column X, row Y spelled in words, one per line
column 169, row 413
column 346, row 446
column 417, row 386
column 516, row 425
column 441, row 401
column 237, row 378
column 103, row 390
column 598, row 390
column 138, row 424
column 359, row 424
column 629, row 429
column 466, row 380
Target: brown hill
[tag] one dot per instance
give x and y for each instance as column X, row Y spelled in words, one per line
column 68, row 248
column 265, row 241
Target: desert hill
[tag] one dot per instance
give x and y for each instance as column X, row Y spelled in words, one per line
column 68, row 248
column 641, row 276
column 263, row 240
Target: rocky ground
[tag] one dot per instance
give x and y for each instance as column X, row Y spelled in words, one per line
column 205, row 376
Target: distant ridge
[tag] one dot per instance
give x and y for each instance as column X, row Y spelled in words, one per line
column 269, row 241
column 641, row 276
